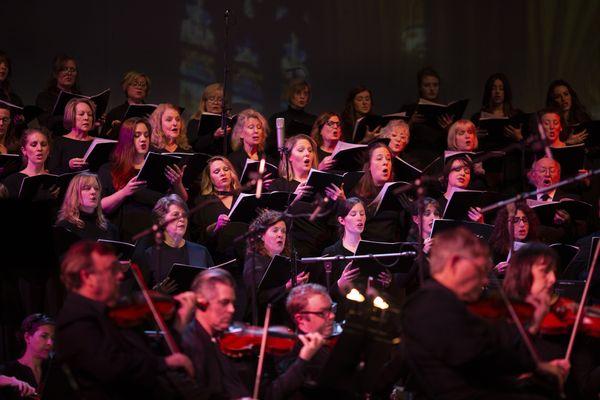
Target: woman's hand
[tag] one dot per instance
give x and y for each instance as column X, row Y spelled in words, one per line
column 301, row 279
column 577, row 138
column 348, row 275
column 219, row 132
column 561, row 217
column 133, row 186
column 384, row 278
column 326, row 164
column 475, row 215
column 222, row 221
column 501, row 267
column 427, row 244
column 416, row 118
column 541, row 303
column 77, row 163
column 334, row 193
column 371, row 134
column 513, row 133
column 444, row 121
column 175, row 174
column 302, row 190
column 478, row 169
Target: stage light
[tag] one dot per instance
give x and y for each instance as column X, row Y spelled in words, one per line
column 355, row 295
column 380, row 303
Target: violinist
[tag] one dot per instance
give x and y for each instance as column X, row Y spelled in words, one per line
column 530, row 277
column 107, row 362
column 215, row 306
column 472, row 358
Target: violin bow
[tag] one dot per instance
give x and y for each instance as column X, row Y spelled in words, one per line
column 137, row 273
column 261, row 356
column 584, row 296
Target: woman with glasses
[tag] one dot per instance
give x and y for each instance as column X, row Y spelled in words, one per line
column 135, row 86
column 525, row 225
column 64, row 77
column 211, row 102
column 174, row 248
column 326, row 132
column 457, row 176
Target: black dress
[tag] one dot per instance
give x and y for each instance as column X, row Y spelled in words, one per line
column 13, row 184
column 238, row 159
column 135, row 212
column 64, row 149
column 337, row 267
column 21, row 372
column 309, row 238
column 388, row 225
column 116, row 114
column 90, row 230
column 205, row 143
column 46, row 101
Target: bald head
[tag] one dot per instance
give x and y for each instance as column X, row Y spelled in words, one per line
column 544, row 172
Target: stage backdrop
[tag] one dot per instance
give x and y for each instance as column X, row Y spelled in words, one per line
column 335, row 44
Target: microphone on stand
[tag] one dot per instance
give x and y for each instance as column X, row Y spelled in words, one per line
column 259, row 182
column 542, row 135
column 280, row 124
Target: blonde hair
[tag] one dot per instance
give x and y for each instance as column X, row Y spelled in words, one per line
column 387, row 130
column 69, row 211
column 206, row 185
column 158, row 136
column 132, row 76
column 71, row 113
column 214, row 89
column 465, row 124
column 236, row 136
column 289, row 145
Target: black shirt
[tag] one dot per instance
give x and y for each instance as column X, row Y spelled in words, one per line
column 91, row 230
column 63, row 150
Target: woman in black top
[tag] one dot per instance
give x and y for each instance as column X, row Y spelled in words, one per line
column 457, row 176
column 35, row 148
column 68, row 150
column 136, row 87
column 359, row 103
column 9, row 143
column 81, row 212
column 310, row 237
column 168, row 130
column 173, row 248
column 563, row 97
column 37, row 333
column 326, row 132
column 268, row 240
column 211, row 103
column 6, row 92
column 390, row 224
column 248, row 139
column 125, row 199
column 64, row 77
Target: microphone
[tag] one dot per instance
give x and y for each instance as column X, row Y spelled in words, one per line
column 259, row 182
column 318, row 209
column 280, row 124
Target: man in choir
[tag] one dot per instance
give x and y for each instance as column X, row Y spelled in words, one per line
column 453, row 353
column 215, row 306
column 106, row 362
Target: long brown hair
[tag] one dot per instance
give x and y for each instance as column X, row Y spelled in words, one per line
column 366, row 188
column 500, row 238
column 518, row 280
column 122, row 169
column 265, row 219
column 315, row 132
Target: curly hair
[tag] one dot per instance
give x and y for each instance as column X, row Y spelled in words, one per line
column 500, row 238
column 265, row 219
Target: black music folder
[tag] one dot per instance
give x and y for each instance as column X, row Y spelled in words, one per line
column 124, row 250
column 138, row 111
column 349, row 156
column 33, row 187
column 318, row 181
column 153, row 170
column 373, row 121
column 461, row 200
column 371, row 267
column 545, row 210
column 251, row 171
column 247, row 206
column 99, row 153
column 183, row 275
column 387, row 199
column 432, row 111
column 482, row 231
column 194, row 165
column 277, row 274
column 100, row 100
column 210, row 122
column 570, row 158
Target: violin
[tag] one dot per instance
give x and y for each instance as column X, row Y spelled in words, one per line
column 243, row 339
column 133, row 310
column 562, row 315
column 493, row 307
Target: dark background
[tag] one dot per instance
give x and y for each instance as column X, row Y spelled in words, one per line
column 336, row 44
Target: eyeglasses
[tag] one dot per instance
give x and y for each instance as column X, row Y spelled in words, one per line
column 323, row 313
column 516, row 220
column 544, row 171
column 214, row 99
column 141, row 85
column 333, row 123
column 68, row 69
